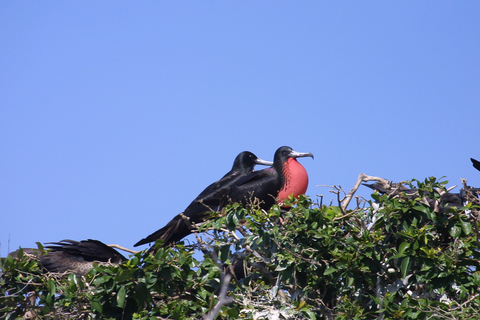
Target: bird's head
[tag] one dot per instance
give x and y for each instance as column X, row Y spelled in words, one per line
column 284, row 153
column 246, row 161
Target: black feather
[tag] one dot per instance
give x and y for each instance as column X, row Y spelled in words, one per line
column 476, row 164
column 78, row 256
column 209, row 200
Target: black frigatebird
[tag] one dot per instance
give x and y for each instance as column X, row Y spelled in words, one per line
column 449, row 199
column 284, row 178
column 476, row 164
column 78, row 256
column 209, row 200
column 74, row 256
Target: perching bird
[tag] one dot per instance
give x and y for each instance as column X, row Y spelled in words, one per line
column 210, row 199
column 476, row 164
column 78, row 256
column 284, row 178
column 240, row 267
column 448, row 199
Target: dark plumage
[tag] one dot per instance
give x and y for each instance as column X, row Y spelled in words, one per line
column 448, row 199
column 393, row 189
column 210, row 199
column 476, row 164
column 239, row 268
column 286, row 177
column 78, row 256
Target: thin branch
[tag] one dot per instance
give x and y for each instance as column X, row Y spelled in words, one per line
column 361, row 178
column 224, row 278
column 123, row 248
column 187, row 221
column 223, row 299
column 346, row 215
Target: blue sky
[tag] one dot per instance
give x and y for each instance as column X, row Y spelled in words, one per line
column 116, row 114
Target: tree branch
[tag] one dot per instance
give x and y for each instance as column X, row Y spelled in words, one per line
column 123, row 248
column 223, row 299
column 362, row 177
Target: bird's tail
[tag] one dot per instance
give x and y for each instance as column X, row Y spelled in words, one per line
column 476, row 164
column 174, row 231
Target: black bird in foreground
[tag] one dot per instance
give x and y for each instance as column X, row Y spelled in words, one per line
column 266, row 187
column 78, row 256
column 211, row 199
column 476, row 164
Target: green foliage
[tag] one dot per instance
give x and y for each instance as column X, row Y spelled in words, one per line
column 393, row 258
column 169, row 284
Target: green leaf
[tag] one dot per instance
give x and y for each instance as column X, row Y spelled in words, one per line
column 124, row 275
column 405, row 266
column 121, row 294
column 224, row 253
column 329, row 270
column 51, row 287
column 20, row 253
column 96, row 305
column 330, row 213
column 466, row 226
column 102, row 279
column 72, row 279
column 49, row 300
column 476, row 278
column 455, row 231
column 142, row 294
column 403, row 246
column 416, row 245
column 134, row 261
column 307, row 214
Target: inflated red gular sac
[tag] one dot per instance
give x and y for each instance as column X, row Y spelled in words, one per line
column 242, row 184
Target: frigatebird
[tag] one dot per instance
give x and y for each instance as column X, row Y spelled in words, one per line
column 73, row 256
column 78, row 256
column 275, row 184
column 448, row 199
column 476, row 164
column 209, row 200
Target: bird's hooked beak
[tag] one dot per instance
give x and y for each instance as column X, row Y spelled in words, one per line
column 295, row 154
column 263, row 162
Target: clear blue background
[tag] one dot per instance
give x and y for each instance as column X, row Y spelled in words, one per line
column 116, row 114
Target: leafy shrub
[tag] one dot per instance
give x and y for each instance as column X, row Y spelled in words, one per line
column 393, row 257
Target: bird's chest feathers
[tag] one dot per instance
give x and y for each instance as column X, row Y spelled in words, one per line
column 296, row 179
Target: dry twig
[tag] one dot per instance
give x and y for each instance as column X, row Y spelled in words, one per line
column 123, row 248
column 362, row 177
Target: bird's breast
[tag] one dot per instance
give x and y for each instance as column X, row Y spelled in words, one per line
column 296, row 180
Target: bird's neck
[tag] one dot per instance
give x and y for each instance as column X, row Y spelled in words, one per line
column 295, row 179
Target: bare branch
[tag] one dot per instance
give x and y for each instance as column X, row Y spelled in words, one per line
column 223, row 299
column 224, row 278
column 361, row 178
column 123, row 248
